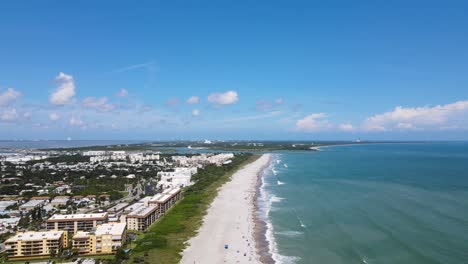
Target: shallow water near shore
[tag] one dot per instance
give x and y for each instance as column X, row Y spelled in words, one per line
column 392, row 203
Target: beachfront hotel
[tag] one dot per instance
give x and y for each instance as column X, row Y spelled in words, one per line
column 36, row 244
column 105, row 239
column 141, row 218
column 76, row 222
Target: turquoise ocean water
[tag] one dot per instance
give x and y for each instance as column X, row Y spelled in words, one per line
column 388, row 203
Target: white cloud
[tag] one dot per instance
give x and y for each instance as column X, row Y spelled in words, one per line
column 227, row 98
column 54, row 116
column 9, row 96
column 122, row 93
column 429, row 118
column 193, row 100
column 9, row 115
column 195, row 112
column 76, row 121
column 65, row 91
column 346, row 127
column 99, row 104
column 279, row 101
column 313, row 123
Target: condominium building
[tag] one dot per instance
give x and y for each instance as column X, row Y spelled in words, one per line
column 105, row 239
column 142, row 217
column 166, row 199
column 76, row 222
column 36, row 244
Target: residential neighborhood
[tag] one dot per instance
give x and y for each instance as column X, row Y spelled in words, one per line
column 88, row 203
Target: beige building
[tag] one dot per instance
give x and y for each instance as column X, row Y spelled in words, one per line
column 106, row 239
column 36, row 244
column 166, row 199
column 142, row 217
column 76, row 222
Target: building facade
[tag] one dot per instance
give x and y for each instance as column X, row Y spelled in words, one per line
column 36, row 244
column 76, row 222
column 166, row 199
column 141, row 218
column 106, row 239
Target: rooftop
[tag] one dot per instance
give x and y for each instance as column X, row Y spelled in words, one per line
column 34, row 236
column 115, row 229
column 160, row 198
column 72, row 217
column 143, row 211
column 172, row 191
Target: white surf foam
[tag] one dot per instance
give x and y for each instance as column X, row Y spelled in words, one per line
column 266, row 200
column 290, row 233
column 275, row 199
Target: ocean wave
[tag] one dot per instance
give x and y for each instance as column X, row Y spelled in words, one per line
column 275, row 199
column 290, row 233
column 279, row 182
column 266, row 200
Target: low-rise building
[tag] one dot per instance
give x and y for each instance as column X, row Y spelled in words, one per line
column 36, row 244
column 166, row 199
column 5, row 204
column 141, row 218
column 31, row 204
column 60, row 200
column 76, row 222
column 105, row 239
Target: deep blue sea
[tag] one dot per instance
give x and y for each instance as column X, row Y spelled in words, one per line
column 382, row 203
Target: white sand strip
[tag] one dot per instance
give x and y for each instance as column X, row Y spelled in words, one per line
column 229, row 220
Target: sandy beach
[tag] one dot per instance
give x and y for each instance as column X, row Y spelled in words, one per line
column 229, row 221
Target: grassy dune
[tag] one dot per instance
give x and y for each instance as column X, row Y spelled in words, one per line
column 165, row 240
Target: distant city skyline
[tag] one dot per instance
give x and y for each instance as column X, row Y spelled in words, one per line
column 263, row 70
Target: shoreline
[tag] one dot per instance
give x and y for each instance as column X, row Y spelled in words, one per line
column 262, row 245
column 230, row 220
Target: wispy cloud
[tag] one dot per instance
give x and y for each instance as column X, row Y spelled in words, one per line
column 135, row 66
column 252, row 117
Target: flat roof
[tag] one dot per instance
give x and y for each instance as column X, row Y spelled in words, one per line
column 115, row 229
column 172, row 191
column 118, row 207
column 142, row 212
column 32, row 203
column 81, row 235
column 75, row 217
column 161, row 198
column 134, row 206
column 35, row 236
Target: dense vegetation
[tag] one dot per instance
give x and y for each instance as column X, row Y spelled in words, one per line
column 165, row 240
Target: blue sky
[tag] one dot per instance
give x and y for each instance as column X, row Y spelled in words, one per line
column 255, row 69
